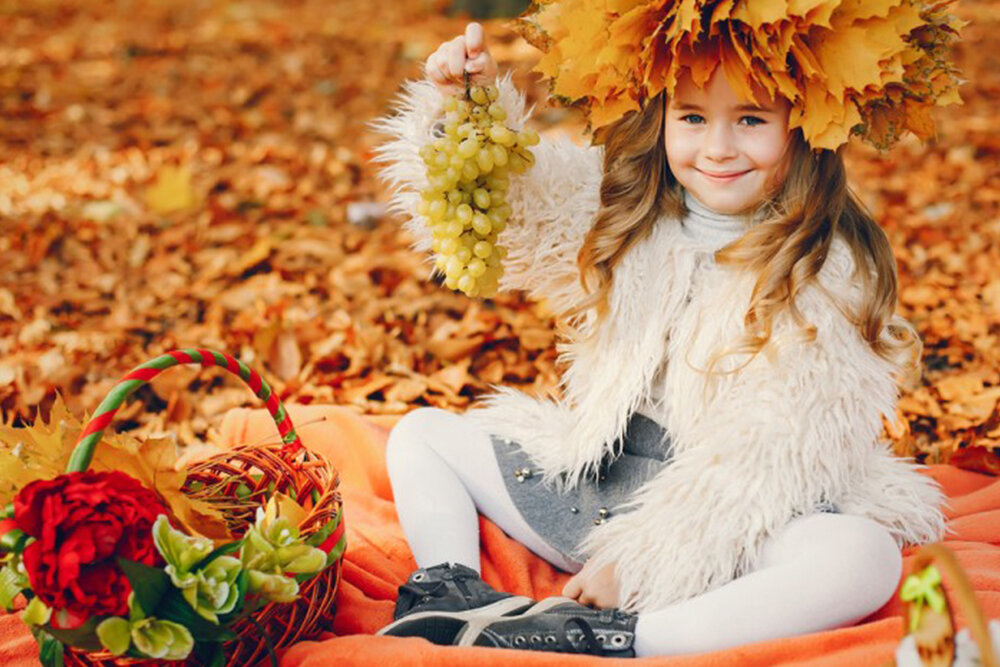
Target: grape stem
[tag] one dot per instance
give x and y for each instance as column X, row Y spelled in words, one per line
column 466, row 78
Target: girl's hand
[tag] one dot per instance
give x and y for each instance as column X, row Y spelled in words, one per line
column 468, row 52
column 594, row 587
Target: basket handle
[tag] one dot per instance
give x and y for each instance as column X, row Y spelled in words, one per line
column 941, row 556
column 83, row 452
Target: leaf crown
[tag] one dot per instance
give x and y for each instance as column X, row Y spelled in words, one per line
column 873, row 68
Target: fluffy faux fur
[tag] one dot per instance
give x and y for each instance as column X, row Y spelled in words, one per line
column 795, row 427
column 555, row 200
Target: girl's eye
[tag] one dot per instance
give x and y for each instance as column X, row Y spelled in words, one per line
column 697, row 119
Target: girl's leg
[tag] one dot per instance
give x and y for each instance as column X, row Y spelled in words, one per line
column 822, row 571
column 442, row 469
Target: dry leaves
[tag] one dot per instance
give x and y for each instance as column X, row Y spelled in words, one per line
column 841, row 64
column 180, row 176
column 42, row 451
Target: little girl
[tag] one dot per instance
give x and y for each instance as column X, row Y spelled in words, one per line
column 714, row 474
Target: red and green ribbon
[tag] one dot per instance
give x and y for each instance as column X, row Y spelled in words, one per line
column 83, row 453
column 920, row 590
column 330, row 538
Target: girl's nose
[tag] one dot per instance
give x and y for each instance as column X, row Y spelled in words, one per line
column 720, row 143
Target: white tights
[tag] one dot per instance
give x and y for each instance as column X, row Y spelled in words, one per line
column 822, row 571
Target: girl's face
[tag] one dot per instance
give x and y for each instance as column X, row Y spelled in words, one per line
column 727, row 152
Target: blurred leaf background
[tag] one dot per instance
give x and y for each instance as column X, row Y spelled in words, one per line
column 196, row 173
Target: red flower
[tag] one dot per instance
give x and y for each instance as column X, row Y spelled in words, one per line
column 82, row 522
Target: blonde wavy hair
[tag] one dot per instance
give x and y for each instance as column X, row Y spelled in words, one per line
column 786, row 250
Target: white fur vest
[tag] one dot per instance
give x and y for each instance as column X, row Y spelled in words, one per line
column 752, row 449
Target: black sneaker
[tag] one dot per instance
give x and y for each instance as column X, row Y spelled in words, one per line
column 436, row 602
column 559, row 625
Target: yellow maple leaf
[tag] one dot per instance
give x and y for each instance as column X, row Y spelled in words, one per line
column 735, row 72
column 697, row 61
column 759, row 12
column 153, row 462
column 919, row 119
column 172, row 190
column 950, row 96
column 821, row 113
column 613, row 108
column 42, row 450
column 848, row 66
column 32, row 452
column 616, row 52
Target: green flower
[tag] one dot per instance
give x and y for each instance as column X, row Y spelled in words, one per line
column 154, row 638
column 274, row 587
column 114, row 634
column 210, row 590
column 300, row 559
column 271, row 551
column 273, row 545
column 182, row 552
column 213, row 589
column 162, row 640
column 36, row 613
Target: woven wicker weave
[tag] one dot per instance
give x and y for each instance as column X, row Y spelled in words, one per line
column 237, row 482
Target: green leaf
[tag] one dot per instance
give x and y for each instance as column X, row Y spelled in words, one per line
column 149, row 584
column 9, row 588
column 50, row 650
column 267, row 642
column 223, row 550
column 84, row 637
column 242, row 582
column 175, row 608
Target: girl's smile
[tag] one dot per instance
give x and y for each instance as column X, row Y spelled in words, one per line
column 728, row 152
column 726, row 177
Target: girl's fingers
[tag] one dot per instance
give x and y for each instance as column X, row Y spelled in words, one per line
column 572, row 588
column 465, row 53
column 432, row 67
column 440, row 72
column 476, row 65
column 456, row 57
column 474, row 39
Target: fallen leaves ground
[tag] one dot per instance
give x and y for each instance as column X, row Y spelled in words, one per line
column 191, row 174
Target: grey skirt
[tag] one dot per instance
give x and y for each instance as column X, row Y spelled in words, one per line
column 563, row 519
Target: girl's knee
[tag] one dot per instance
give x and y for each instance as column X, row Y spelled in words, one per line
column 407, row 439
column 854, row 559
column 427, row 431
column 872, row 555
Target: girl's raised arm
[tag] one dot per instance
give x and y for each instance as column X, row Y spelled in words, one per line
column 552, row 203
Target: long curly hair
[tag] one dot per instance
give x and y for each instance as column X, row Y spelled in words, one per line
column 786, row 250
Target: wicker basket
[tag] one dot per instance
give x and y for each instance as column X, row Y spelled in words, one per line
column 934, row 635
column 237, row 482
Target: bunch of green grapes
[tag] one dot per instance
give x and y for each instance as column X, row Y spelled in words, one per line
column 465, row 203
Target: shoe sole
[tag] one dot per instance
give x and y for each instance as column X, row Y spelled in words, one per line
column 441, row 627
column 474, row 628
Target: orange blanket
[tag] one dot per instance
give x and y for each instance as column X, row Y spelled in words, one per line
column 378, row 560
